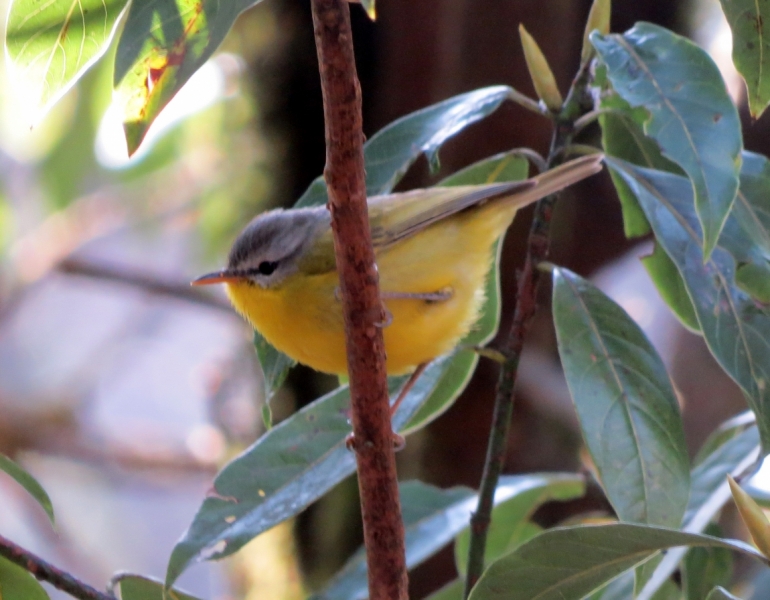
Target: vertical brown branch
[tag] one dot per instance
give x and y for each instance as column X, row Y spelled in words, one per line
column 344, row 174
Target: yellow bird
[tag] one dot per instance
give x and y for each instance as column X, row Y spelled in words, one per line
column 433, row 249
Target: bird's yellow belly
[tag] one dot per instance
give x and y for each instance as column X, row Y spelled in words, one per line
column 303, row 317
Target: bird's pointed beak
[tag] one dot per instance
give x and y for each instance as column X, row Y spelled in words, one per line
column 216, row 277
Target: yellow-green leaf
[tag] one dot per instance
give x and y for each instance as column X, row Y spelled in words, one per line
column 51, row 44
column 540, row 72
column 599, row 20
column 753, row 517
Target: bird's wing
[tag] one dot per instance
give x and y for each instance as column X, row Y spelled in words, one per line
column 394, row 217
column 397, row 216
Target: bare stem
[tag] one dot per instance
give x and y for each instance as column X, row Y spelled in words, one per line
column 574, row 106
column 45, row 571
column 344, row 174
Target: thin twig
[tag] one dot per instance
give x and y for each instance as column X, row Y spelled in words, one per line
column 526, row 306
column 344, row 174
column 45, row 571
column 146, row 281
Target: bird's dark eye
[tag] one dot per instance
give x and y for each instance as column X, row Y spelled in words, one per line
column 266, row 267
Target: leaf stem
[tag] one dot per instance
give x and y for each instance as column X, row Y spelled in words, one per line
column 45, row 571
column 530, row 104
column 576, row 104
column 363, row 310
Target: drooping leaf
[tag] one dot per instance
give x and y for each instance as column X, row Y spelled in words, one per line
column 692, row 117
column 626, row 404
column 29, row 483
column 511, row 525
column 392, row 150
column 137, row 587
column 289, row 467
column 735, row 327
column 162, row 44
column 18, row 584
column 705, row 568
column 432, row 517
column 51, row 44
column 571, row 562
column 709, row 493
column 751, row 48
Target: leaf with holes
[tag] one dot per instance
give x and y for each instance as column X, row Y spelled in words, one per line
column 627, row 408
column 51, row 44
column 691, row 115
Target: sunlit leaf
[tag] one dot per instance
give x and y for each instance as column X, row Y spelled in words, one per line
column 598, row 19
column 626, row 404
column 51, row 44
column 735, row 327
column 136, row 587
column 17, row 583
column 511, row 525
column 691, row 115
column 571, row 562
column 370, row 9
column 162, row 44
column 392, row 150
column 29, row 483
column 432, row 517
column 751, row 48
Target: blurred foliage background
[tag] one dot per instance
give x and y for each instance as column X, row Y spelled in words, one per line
column 122, row 390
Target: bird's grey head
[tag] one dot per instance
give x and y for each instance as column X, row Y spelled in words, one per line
column 266, row 251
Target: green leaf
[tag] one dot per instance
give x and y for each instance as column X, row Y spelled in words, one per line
column 432, row 517
column 540, row 72
column 571, row 562
column 735, row 327
column 275, row 366
column 289, row 467
column 720, row 593
column 29, row 483
column 726, row 431
column 671, row 287
column 709, row 493
column 506, row 166
column 626, row 404
column 18, row 584
column 754, row 279
column 51, row 44
column 705, row 568
column 752, row 204
column 752, row 516
column 136, row 587
column 392, row 150
column 511, row 525
column 162, row 44
column 691, row 115
column 750, row 48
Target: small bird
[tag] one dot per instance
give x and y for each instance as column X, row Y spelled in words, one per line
column 433, row 249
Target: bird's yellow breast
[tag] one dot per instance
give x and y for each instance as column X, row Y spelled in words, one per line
column 303, row 316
